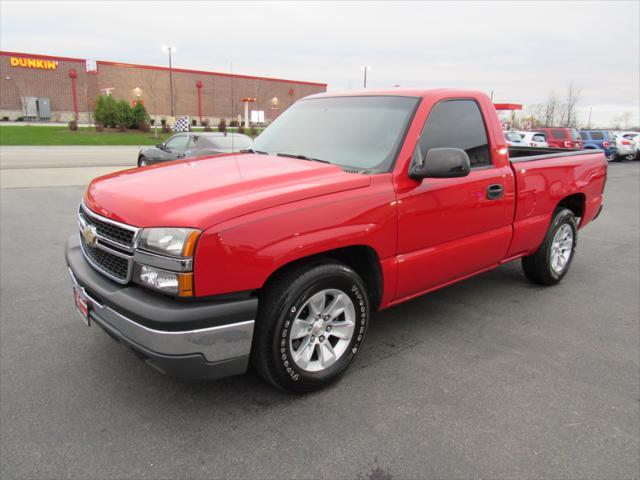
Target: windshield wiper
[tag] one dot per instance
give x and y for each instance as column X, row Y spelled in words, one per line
column 251, row 150
column 301, row 157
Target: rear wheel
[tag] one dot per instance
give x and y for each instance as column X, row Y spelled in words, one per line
column 311, row 324
column 551, row 262
column 142, row 162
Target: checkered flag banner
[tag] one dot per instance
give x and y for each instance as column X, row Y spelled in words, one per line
column 181, row 125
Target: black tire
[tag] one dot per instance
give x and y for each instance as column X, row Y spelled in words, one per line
column 142, row 162
column 537, row 267
column 280, row 303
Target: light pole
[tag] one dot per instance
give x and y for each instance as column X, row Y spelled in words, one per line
column 170, row 50
column 366, row 68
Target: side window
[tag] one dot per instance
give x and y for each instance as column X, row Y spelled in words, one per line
column 584, row 135
column 457, row 124
column 558, row 134
column 178, row 143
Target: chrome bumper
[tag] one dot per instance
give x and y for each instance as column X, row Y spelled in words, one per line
column 211, row 352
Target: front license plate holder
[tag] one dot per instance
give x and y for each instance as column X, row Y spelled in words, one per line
column 83, row 305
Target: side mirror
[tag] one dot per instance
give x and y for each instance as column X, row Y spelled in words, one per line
column 160, row 146
column 442, row 163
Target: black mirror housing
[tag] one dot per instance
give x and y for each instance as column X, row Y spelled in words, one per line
column 442, row 163
column 160, row 146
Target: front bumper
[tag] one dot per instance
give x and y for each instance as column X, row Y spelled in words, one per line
column 190, row 339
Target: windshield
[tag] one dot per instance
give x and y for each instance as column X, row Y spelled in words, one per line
column 362, row 133
column 513, row 136
column 238, row 142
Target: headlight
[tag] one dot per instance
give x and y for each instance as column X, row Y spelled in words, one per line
column 176, row 242
column 180, row 284
column 164, row 259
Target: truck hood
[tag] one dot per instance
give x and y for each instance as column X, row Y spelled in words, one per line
column 200, row 193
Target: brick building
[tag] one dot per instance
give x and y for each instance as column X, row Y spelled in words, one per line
column 73, row 84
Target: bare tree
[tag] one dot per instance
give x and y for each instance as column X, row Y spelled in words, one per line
column 623, row 120
column 568, row 117
column 551, row 108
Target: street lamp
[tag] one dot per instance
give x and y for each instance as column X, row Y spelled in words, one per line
column 170, row 50
column 366, row 68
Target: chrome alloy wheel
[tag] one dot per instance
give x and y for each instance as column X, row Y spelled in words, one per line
column 322, row 330
column 561, row 248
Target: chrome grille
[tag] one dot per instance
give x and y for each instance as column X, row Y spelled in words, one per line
column 111, row 252
column 106, row 261
column 118, row 233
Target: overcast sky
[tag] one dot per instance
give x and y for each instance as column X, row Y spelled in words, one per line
column 520, row 50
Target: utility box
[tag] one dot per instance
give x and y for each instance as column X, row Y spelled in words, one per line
column 29, row 107
column 44, row 108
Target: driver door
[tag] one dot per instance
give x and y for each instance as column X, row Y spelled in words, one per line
column 176, row 147
column 449, row 228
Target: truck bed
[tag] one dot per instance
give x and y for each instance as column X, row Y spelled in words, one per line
column 526, row 154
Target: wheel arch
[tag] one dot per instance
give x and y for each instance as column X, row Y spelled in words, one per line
column 575, row 202
column 363, row 259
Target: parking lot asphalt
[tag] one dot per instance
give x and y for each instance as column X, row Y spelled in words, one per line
column 493, row 377
column 29, row 167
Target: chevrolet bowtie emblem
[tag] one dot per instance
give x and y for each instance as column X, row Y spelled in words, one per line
column 90, row 235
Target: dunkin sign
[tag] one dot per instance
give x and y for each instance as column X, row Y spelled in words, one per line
column 33, row 63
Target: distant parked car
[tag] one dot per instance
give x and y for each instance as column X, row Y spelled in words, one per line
column 562, row 137
column 534, row 139
column 627, row 143
column 194, row 144
column 600, row 140
column 514, row 139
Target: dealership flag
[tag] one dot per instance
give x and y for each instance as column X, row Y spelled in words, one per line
column 181, row 125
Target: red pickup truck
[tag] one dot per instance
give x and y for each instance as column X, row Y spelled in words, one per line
column 348, row 204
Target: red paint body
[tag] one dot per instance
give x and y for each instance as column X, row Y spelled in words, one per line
column 259, row 213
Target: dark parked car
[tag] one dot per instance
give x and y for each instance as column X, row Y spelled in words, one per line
column 601, row 140
column 194, row 144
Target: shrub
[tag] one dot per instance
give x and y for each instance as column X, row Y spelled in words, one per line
column 124, row 114
column 222, row 125
column 106, row 112
column 194, row 122
column 253, row 132
column 5, row 119
column 99, row 127
column 73, row 125
column 144, row 127
column 233, row 123
column 122, row 127
column 139, row 116
column 207, row 128
column 166, row 128
column 241, row 129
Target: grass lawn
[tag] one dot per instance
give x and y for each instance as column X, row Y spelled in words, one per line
column 11, row 135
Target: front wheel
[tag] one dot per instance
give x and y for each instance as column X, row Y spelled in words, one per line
column 311, row 324
column 142, row 162
column 551, row 262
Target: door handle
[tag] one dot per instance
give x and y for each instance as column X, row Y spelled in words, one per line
column 180, row 155
column 495, row 191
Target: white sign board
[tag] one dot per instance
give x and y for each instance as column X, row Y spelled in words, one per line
column 91, row 66
column 257, row 116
